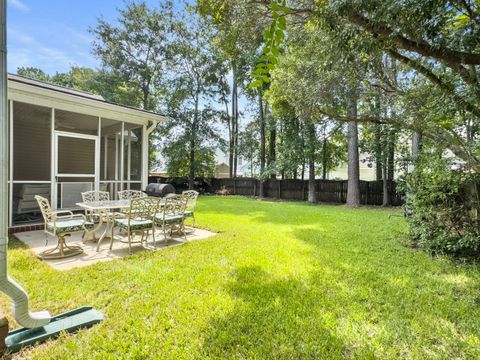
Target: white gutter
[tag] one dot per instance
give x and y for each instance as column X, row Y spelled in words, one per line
column 7, row 285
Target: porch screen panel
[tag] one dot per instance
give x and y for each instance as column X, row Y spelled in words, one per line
column 31, row 142
column 110, row 149
column 76, row 156
column 77, row 123
column 133, row 152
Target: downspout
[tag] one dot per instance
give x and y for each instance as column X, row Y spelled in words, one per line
column 145, row 150
column 7, row 285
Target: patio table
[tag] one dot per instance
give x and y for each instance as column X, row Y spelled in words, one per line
column 103, row 209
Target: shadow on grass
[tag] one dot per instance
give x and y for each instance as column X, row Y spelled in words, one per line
column 15, row 244
column 272, row 319
column 387, row 304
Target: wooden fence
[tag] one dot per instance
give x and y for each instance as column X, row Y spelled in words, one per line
column 334, row 191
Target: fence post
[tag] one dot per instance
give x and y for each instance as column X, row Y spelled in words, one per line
column 234, row 187
column 367, row 189
column 254, row 187
column 279, row 189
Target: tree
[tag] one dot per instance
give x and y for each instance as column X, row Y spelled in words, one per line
column 137, row 48
column 443, row 51
column 237, row 38
column 353, row 186
column 193, row 85
column 33, row 73
column 249, row 144
column 309, row 77
column 261, row 110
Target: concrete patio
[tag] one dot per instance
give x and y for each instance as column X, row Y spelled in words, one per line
column 36, row 241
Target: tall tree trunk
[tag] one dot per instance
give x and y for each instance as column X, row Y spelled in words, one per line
column 386, row 194
column 272, row 147
column 230, row 140
column 312, row 195
column 353, row 190
column 391, row 155
column 146, row 94
column 324, row 155
column 191, row 174
column 235, row 121
column 378, row 152
column 302, row 140
column 262, row 145
column 416, row 144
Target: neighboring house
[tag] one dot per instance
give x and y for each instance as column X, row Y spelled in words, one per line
column 367, row 170
column 222, row 171
column 158, row 172
column 64, row 141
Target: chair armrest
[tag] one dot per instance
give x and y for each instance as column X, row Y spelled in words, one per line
column 118, row 215
column 73, row 216
column 56, row 213
column 57, row 216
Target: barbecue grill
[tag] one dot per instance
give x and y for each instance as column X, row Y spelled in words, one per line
column 159, row 190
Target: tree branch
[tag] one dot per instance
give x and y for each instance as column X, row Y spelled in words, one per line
column 420, row 47
column 455, row 143
column 447, row 88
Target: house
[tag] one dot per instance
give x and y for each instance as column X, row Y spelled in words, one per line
column 158, row 172
column 222, row 170
column 367, row 170
column 65, row 141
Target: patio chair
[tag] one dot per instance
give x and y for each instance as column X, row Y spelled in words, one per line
column 172, row 215
column 137, row 219
column 60, row 226
column 130, row 194
column 191, row 197
column 94, row 196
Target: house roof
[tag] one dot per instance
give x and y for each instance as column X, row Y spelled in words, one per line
column 74, row 92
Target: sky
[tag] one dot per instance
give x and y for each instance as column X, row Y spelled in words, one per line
column 53, row 34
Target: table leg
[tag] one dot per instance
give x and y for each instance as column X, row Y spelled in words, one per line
column 108, row 223
column 92, row 233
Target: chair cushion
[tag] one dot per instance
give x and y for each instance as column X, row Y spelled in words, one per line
column 135, row 224
column 168, row 218
column 70, row 225
column 96, row 218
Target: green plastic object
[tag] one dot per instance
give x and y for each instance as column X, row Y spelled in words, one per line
column 70, row 321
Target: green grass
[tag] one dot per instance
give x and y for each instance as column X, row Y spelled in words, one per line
column 281, row 280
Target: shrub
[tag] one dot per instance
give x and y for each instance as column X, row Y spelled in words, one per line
column 443, row 207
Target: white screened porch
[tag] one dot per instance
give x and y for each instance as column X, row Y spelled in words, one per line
column 63, row 142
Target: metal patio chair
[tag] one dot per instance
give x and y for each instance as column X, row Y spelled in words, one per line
column 139, row 218
column 130, row 194
column 191, row 198
column 94, row 196
column 172, row 215
column 60, row 226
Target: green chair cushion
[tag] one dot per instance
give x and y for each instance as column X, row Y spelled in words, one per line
column 135, row 224
column 70, row 225
column 168, row 218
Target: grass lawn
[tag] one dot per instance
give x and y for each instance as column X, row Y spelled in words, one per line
column 281, row 280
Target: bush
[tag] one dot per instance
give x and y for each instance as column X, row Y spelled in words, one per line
column 443, row 207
